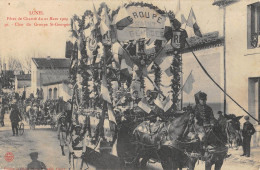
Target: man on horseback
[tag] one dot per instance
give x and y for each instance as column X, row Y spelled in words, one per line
column 204, row 115
column 203, row 111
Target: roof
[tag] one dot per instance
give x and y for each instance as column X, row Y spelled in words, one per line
column 23, row 77
column 224, row 2
column 54, row 63
column 57, row 82
column 208, row 40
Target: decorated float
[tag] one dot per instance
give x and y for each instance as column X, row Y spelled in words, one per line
column 125, row 72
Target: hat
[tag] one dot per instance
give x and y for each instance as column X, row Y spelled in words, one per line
column 219, row 112
column 202, row 96
column 246, row 117
column 34, row 154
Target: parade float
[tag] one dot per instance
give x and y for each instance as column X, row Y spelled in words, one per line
column 126, row 68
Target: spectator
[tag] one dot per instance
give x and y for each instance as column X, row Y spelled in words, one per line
column 35, row 164
column 2, row 114
column 247, row 132
column 15, row 117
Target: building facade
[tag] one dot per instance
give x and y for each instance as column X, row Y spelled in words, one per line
column 243, row 59
column 209, row 51
column 56, row 90
column 22, row 82
column 48, row 70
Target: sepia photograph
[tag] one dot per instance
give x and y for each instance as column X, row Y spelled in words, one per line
column 126, row 85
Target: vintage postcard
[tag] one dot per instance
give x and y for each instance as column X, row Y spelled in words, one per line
column 172, row 84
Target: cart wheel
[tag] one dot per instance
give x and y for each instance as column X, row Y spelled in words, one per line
column 21, row 129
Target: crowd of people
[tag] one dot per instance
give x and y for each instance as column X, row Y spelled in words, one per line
column 32, row 109
column 74, row 135
column 44, row 113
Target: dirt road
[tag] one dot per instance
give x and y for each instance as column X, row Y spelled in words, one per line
column 44, row 141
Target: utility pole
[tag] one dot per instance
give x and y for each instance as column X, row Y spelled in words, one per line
column 224, row 57
column 222, row 4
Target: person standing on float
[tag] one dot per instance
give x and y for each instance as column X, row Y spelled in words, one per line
column 77, row 148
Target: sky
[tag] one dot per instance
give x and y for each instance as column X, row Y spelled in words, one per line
column 38, row 41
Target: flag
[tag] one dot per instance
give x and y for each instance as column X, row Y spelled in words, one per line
column 126, row 65
column 192, row 22
column 95, row 15
column 74, row 28
column 168, row 72
column 144, row 105
column 103, row 28
column 104, row 90
column 123, row 19
column 110, row 112
column 167, row 103
column 125, row 68
column 183, row 19
column 115, row 51
column 188, row 85
column 179, row 15
column 105, row 22
column 150, row 41
column 74, row 25
column 114, row 149
column 167, row 28
column 158, row 102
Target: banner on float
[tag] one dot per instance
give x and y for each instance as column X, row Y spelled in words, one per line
column 147, row 23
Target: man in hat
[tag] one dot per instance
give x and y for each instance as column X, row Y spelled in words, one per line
column 247, row 132
column 203, row 111
column 221, row 117
column 135, row 99
column 2, row 114
column 35, row 164
column 62, row 132
column 15, row 117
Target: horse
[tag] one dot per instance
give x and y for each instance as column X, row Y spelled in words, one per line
column 226, row 132
column 135, row 143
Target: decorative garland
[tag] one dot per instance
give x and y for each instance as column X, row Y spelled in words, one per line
column 157, row 74
column 83, row 68
column 140, row 4
column 176, row 80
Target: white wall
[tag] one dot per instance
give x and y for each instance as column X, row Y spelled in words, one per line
column 33, row 77
column 45, row 76
column 63, row 90
column 242, row 63
column 212, row 60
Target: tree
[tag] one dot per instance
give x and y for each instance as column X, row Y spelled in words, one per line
column 26, row 61
column 14, row 64
column 26, row 64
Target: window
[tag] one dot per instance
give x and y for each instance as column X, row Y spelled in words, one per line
column 55, row 93
column 253, row 25
column 254, row 97
column 50, row 93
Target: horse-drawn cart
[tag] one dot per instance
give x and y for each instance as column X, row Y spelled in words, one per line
column 126, row 78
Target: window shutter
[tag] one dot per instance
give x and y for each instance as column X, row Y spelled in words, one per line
column 258, row 20
column 253, row 19
column 249, row 7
